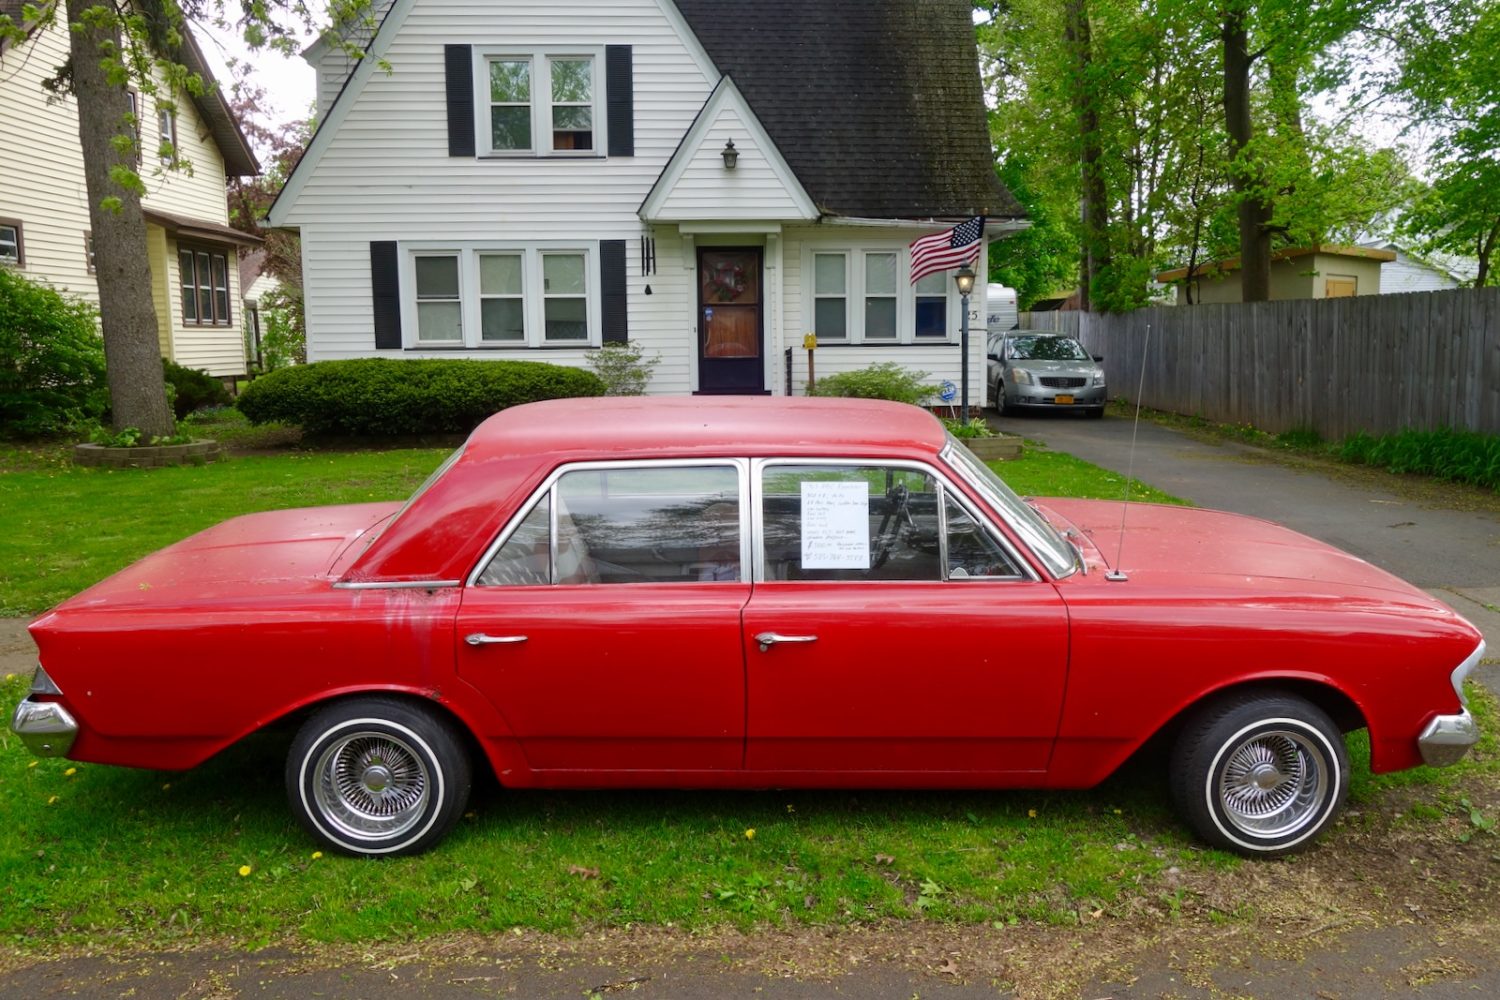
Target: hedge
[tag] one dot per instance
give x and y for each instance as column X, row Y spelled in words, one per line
column 192, row 388
column 384, row 397
column 51, row 360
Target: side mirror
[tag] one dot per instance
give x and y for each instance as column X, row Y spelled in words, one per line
column 1099, row 358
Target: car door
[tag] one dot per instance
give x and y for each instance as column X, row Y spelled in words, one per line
column 892, row 631
column 604, row 624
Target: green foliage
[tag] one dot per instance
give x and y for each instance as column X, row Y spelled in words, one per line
column 1457, row 456
column 192, row 389
column 887, row 380
column 379, row 396
column 283, row 338
column 51, row 359
column 975, row 428
column 132, row 437
column 1042, row 258
column 623, row 368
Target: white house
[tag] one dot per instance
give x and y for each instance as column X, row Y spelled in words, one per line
column 44, row 212
column 1411, row 273
column 710, row 180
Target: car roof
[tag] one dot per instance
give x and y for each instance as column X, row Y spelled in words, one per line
column 748, row 425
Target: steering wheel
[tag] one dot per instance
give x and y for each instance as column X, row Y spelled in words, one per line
column 896, row 512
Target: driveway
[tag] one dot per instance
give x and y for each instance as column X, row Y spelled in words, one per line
column 1444, row 539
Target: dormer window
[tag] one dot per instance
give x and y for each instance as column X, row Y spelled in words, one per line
column 544, row 104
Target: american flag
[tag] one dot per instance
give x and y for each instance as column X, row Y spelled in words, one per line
column 941, row 251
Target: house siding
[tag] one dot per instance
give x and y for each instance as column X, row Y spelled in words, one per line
column 1407, row 274
column 751, row 191
column 44, row 186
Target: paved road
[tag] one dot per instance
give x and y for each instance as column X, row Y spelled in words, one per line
column 1421, row 535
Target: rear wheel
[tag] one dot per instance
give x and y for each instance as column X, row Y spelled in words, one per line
column 378, row 776
column 1260, row 774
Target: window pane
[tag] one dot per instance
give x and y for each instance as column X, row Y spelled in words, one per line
column 205, row 304
column 850, row 523
column 439, row 321
column 10, row 244
column 567, row 319
column 510, row 81
column 828, row 270
column 499, row 274
column 221, row 305
column 880, row 319
column 932, row 317
column 437, row 277
column 933, row 284
column 678, row 525
column 510, row 128
column 189, row 286
column 971, row 550
column 525, row 560
column 501, row 320
column 568, row 118
column 880, row 274
column 562, row 274
column 572, row 80
column 829, row 320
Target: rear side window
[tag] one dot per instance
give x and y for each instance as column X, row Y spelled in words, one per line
column 678, row 524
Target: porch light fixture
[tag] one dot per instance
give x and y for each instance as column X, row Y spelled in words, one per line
column 965, row 279
column 730, row 154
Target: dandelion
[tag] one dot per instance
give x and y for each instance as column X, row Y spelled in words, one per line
column 167, row 787
column 70, row 772
column 33, row 763
column 316, row 855
column 790, row 808
column 52, row 800
column 245, row 870
column 1119, row 812
column 750, row 833
column 1031, row 814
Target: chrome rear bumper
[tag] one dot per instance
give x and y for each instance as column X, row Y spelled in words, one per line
column 47, row 729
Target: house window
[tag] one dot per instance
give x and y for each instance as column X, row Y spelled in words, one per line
column 133, row 122
column 12, row 249
column 166, row 122
column 500, row 296
column 439, row 305
column 932, row 306
column 541, row 102
column 880, row 296
column 565, row 295
column 203, row 276
column 88, row 251
column 830, row 296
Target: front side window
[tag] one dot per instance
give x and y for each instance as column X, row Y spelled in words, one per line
column 439, row 311
column 203, row 277
column 864, row 295
column 830, row 296
column 880, row 296
column 932, row 306
column 502, row 312
column 627, row 525
column 565, row 297
column 11, row 249
column 166, row 122
column 541, row 102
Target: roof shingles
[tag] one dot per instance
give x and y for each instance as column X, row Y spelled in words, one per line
column 877, row 107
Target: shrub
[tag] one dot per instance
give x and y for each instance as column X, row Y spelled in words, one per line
column 51, row 359
column 883, row 381
column 1457, row 456
column 974, row 428
column 382, row 396
column 624, row 368
column 191, row 389
column 283, row 340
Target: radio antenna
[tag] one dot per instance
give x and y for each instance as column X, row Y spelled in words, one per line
column 1117, row 575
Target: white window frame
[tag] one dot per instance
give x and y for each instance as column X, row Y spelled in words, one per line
column 18, row 240
column 854, row 295
column 166, row 124
column 541, row 101
column 532, row 293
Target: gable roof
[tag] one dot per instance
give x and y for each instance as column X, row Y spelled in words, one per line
column 876, row 106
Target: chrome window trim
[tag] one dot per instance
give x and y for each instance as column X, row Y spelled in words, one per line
column 396, row 584
column 742, row 480
column 1027, row 532
column 759, row 465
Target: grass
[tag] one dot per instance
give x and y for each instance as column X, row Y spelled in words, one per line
column 92, row 855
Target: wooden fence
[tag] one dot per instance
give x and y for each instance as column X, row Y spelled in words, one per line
column 1375, row 363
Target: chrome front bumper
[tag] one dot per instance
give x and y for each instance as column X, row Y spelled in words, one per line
column 47, row 729
column 1447, row 738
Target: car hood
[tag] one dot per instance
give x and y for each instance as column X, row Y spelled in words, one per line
column 1186, row 545
column 274, row 552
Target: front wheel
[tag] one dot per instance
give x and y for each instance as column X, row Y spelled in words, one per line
column 1260, row 774
column 378, row 776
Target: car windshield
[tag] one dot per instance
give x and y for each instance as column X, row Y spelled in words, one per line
column 1046, row 349
column 1051, row 548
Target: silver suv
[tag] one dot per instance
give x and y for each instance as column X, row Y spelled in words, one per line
column 1048, row 370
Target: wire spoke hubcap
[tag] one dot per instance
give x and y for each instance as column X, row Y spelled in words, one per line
column 1273, row 783
column 371, row 786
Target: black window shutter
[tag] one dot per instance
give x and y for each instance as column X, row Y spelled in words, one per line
column 619, row 88
column 616, row 326
column 385, row 292
column 458, row 69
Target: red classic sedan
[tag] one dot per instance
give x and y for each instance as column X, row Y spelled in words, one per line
column 752, row 593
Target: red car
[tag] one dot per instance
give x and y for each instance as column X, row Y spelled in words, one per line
column 752, row 593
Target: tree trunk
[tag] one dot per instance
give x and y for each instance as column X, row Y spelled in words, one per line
column 1094, row 203
column 1254, row 204
column 132, row 352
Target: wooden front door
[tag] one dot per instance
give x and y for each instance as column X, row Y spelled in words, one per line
column 731, row 321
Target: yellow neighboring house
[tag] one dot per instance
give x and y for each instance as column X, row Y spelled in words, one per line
column 1310, row 272
column 44, row 215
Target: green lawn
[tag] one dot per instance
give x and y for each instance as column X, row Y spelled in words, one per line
column 92, row 854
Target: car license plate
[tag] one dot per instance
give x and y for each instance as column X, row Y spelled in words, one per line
column 1062, row 399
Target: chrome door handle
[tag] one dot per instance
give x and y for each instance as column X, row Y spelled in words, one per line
column 769, row 639
column 480, row 639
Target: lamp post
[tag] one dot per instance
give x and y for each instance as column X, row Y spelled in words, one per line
column 965, row 280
